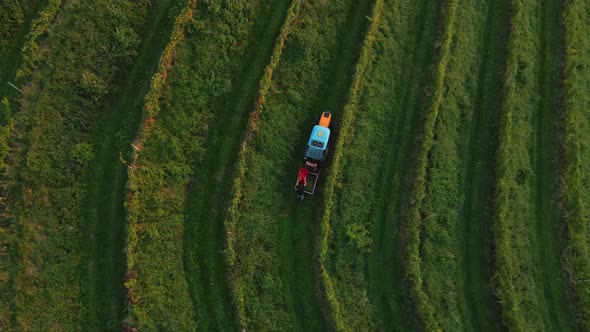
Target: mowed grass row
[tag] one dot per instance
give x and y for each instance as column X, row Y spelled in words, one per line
column 344, row 317
column 68, row 78
column 365, row 255
column 270, row 235
column 530, row 285
column 167, row 285
column 212, row 179
column 105, row 214
column 156, row 286
column 413, row 225
column 574, row 186
column 454, row 214
column 301, row 225
column 16, row 17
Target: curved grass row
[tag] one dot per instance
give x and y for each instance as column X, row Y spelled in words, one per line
column 269, row 235
column 455, row 212
column 576, row 173
column 529, row 281
column 359, row 317
column 511, row 285
column 156, row 285
column 359, row 239
column 183, row 111
column 59, row 111
column 413, row 227
column 105, row 217
column 232, row 219
column 205, row 261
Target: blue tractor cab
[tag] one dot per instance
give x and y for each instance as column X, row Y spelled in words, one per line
column 317, row 146
column 316, row 152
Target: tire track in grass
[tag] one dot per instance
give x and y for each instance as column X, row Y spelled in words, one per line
column 552, row 285
column 479, row 179
column 385, row 263
column 106, row 217
column 212, row 183
column 299, row 225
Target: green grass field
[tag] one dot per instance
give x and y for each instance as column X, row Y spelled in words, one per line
column 149, row 151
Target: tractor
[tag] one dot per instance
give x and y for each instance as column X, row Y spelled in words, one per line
column 314, row 156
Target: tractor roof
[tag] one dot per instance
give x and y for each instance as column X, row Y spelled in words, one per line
column 319, row 137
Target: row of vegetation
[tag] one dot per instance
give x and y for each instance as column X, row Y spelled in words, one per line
column 105, row 222
column 576, row 174
column 14, row 15
column 354, row 313
column 155, row 281
column 205, row 239
column 414, row 224
column 259, row 239
column 183, row 105
column 68, row 77
column 15, row 19
column 528, row 277
column 360, row 224
column 435, row 214
column 461, row 151
column 239, row 289
column 512, row 237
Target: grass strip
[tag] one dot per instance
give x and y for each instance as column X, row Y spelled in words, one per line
column 530, row 284
column 156, row 285
column 105, row 215
column 414, row 225
column 456, row 211
column 301, row 225
column 233, row 208
column 59, row 111
column 264, row 216
column 194, row 102
column 20, row 31
column 575, row 174
column 379, row 166
column 210, row 186
column 351, row 107
column 15, row 18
